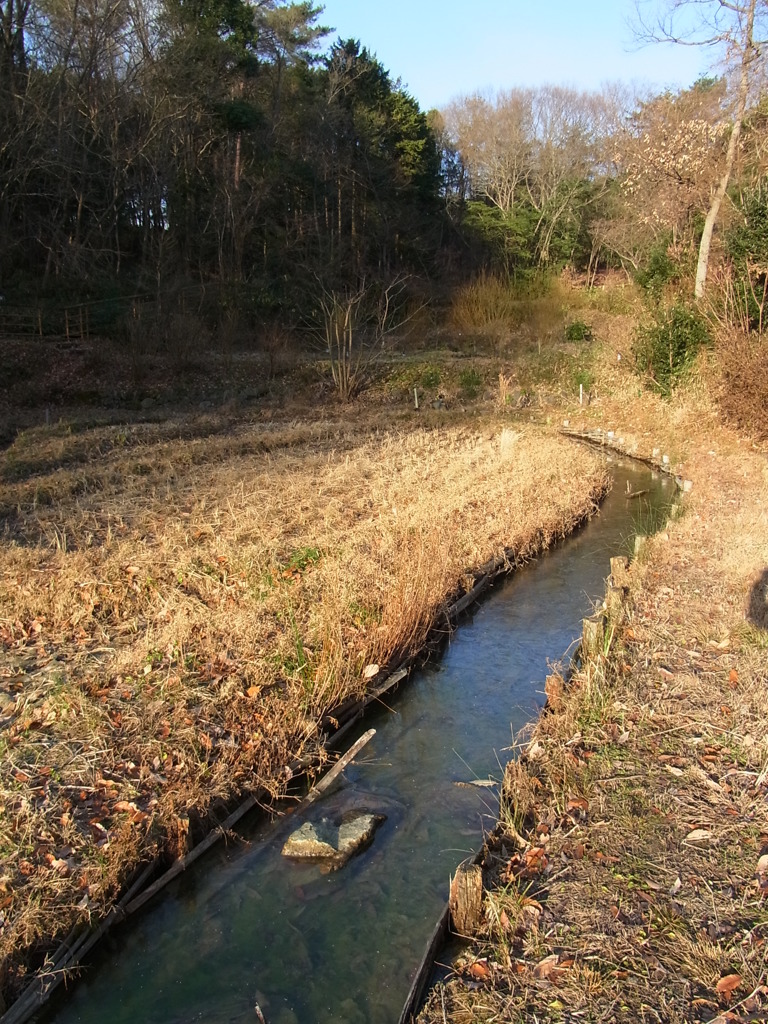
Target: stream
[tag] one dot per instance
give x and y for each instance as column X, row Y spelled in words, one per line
column 245, row 926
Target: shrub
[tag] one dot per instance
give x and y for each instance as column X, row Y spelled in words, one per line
column 471, row 382
column 746, row 243
column 578, row 331
column 430, row 377
column 483, row 303
column 583, row 378
column 659, row 270
column 666, row 346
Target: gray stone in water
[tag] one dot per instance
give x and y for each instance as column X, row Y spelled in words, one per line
column 325, row 840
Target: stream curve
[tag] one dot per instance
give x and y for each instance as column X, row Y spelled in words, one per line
column 247, row 927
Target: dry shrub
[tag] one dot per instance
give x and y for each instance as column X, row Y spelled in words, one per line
column 185, row 338
column 495, row 308
column 485, row 303
column 744, row 391
column 279, row 348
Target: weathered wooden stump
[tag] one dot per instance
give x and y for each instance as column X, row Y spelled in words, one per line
column 554, row 688
column 614, row 605
column 466, row 900
column 592, row 639
column 620, row 573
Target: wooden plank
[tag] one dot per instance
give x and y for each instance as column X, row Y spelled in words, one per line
column 421, row 978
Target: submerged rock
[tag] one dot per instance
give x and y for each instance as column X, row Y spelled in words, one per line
column 326, row 840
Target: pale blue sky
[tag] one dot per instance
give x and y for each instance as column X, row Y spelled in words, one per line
column 443, row 48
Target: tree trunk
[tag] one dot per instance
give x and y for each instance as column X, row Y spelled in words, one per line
column 747, row 57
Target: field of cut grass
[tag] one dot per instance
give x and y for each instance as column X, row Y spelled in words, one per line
column 182, row 603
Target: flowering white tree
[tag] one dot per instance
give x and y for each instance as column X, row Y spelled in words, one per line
column 732, row 29
column 671, row 156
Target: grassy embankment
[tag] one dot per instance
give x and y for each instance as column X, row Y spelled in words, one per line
column 182, row 601
column 629, row 877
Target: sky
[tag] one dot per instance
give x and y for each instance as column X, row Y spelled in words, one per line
column 445, row 48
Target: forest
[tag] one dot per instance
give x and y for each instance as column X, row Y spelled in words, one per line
column 226, row 157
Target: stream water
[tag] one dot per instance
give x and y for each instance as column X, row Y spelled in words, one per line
column 246, row 926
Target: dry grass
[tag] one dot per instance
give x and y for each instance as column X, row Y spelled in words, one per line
column 629, row 878
column 744, row 390
column 500, row 311
column 180, row 605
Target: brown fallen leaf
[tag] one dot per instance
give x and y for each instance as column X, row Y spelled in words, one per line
column 480, row 969
column 545, row 967
column 604, row 858
column 58, row 864
column 577, row 808
column 728, row 985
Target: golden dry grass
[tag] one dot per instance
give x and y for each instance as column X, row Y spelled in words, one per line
column 181, row 604
column 629, row 877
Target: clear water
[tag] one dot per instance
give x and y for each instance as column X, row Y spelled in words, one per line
column 246, row 926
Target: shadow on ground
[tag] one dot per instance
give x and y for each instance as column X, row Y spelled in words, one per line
column 757, row 609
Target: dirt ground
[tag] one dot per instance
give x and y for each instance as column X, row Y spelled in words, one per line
column 628, row 877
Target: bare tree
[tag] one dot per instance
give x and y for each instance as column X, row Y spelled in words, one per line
column 568, row 148
column 354, row 325
column 732, row 29
column 494, row 136
column 544, row 148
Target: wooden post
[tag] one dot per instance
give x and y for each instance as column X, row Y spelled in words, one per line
column 554, row 688
column 619, row 573
column 592, row 639
column 66, row 323
column 466, row 900
column 39, row 323
column 614, row 605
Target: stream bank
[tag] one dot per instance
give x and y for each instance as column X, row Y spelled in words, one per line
column 247, row 927
column 184, row 604
column 638, row 892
